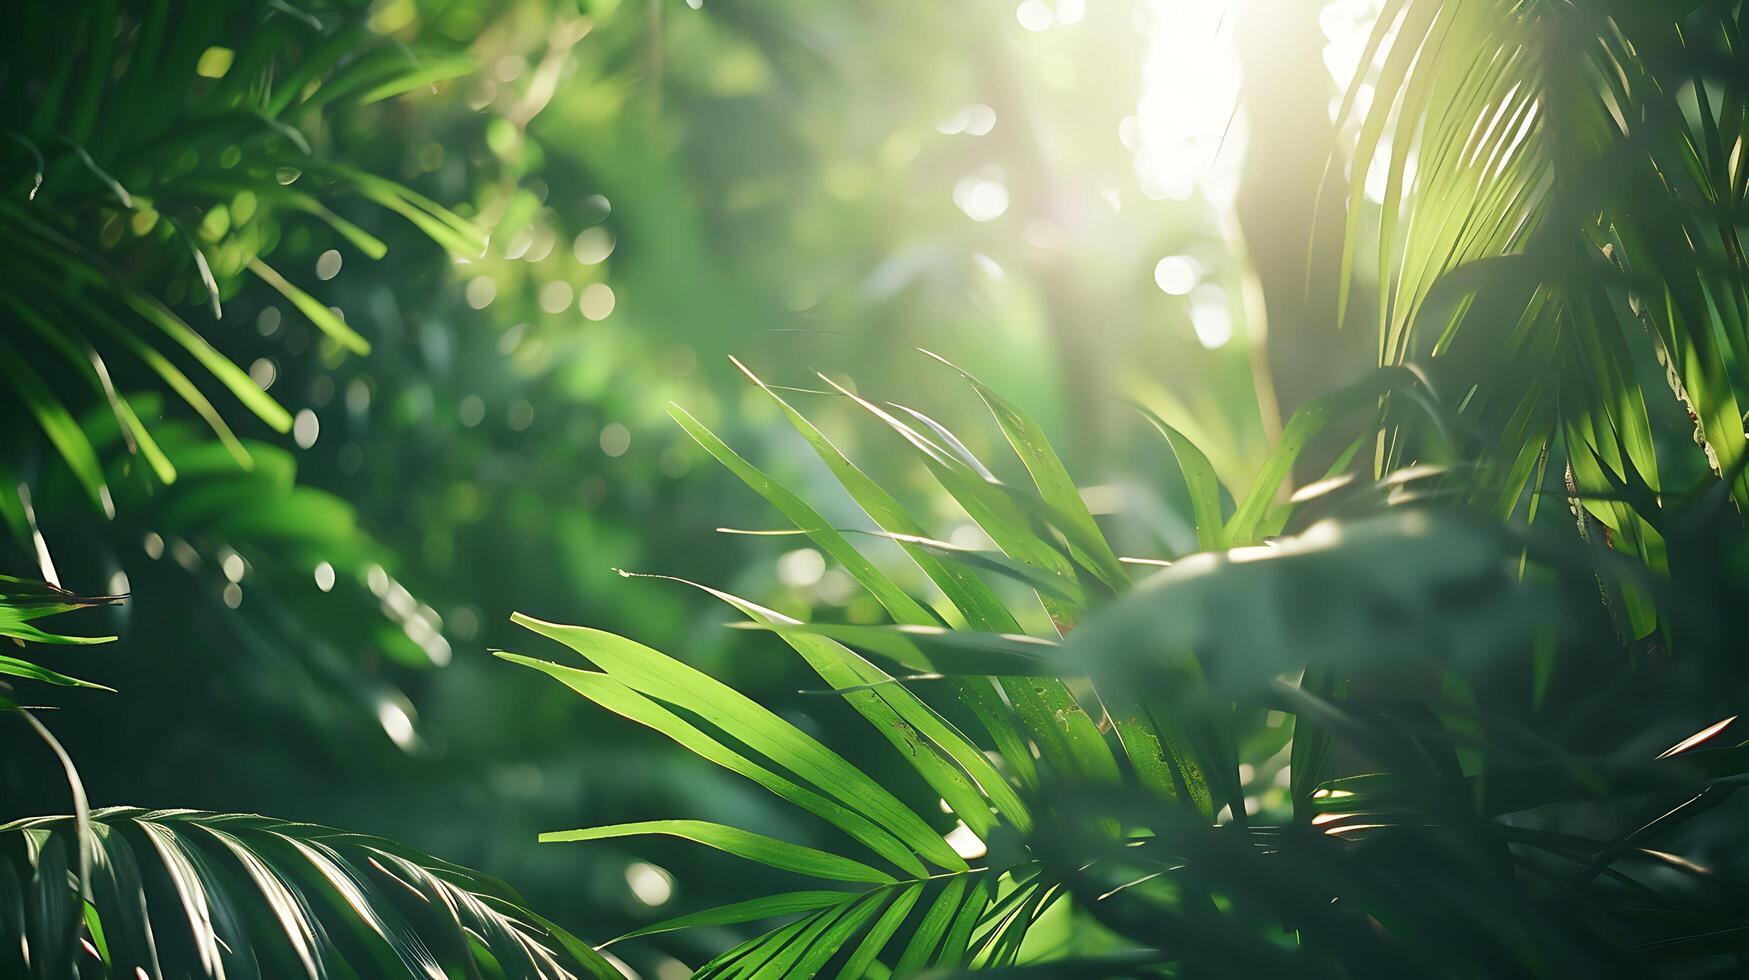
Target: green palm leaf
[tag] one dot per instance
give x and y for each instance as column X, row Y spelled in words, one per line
column 129, row 102
column 182, row 892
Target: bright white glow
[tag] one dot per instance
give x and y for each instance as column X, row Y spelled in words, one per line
column 836, row 587
column 1177, row 275
column 651, row 885
column 438, row 649
column 542, row 245
column 596, row 301
column 1188, row 138
column 1211, row 321
column 305, row 428
column 519, row 245
column 982, row 196
column 396, row 723
column 1346, row 24
column 1363, row 96
column 801, row 568
column 965, row 843
column 1377, row 173
column 399, row 600
column 328, row 265
column 480, row 291
column 325, row 577
column 971, row 537
column 980, row 119
column 592, row 245
column 976, row 119
column 555, row 296
column 233, row 567
column 1035, row 15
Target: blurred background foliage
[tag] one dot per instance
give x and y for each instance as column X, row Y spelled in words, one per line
column 1073, row 201
column 661, row 185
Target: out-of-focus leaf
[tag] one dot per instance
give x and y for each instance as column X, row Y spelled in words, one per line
column 741, row 843
column 1343, row 594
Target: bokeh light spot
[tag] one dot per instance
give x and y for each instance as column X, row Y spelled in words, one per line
column 1211, row 321
column 800, row 568
column 596, row 301
column 1035, row 15
column 397, row 724
column 555, row 296
column 263, row 373
column 615, row 439
column 471, row 411
column 214, row 62
column 982, row 196
column 592, row 245
column 305, row 428
column 480, row 291
column 650, row 884
column 1177, row 275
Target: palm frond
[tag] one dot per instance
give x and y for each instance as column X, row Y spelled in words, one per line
column 161, row 172
column 22, row 603
column 1105, row 775
column 650, row 688
column 188, row 893
column 1560, row 185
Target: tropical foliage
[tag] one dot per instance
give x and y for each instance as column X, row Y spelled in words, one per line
column 160, row 165
column 1424, row 679
column 1435, row 675
column 203, row 210
column 1155, row 767
column 180, row 892
column 1557, row 228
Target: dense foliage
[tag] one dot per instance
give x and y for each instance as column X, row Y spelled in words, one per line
column 1432, row 675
